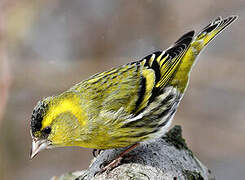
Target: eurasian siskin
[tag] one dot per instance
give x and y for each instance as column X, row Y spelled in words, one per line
column 125, row 105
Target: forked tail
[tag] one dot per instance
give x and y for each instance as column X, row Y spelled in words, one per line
column 213, row 29
column 199, row 41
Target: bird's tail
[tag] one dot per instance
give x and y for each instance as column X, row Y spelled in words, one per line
column 198, row 43
column 212, row 30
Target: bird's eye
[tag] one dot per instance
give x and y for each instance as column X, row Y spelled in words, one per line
column 47, row 130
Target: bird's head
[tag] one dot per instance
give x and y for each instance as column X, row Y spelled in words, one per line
column 39, row 134
column 55, row 122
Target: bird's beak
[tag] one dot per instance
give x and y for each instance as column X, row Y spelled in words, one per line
column 37, row 146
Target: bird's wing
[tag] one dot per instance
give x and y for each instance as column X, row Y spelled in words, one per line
column 132, row 86
column 163, row 64
column 111, row 90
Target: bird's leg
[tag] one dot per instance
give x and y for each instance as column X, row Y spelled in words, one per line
column 117, row 160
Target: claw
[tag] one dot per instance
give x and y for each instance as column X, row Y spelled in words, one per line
column 113, row 164
column 109, row 166
column 96, row 152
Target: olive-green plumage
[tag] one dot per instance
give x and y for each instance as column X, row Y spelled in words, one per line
column 127, row 104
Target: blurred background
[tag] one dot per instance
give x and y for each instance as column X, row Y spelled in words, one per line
column 48, row 46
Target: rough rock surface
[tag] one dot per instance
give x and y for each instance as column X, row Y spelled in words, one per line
column 167, row 158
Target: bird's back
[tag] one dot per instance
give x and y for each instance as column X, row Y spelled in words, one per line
column 134, row 85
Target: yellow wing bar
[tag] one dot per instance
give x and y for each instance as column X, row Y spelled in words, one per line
column 164, row 63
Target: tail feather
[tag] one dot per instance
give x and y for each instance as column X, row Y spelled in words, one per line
column 214, row 28
column 189, row 34
column 181, row 77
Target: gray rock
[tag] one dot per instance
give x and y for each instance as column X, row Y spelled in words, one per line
column 167, row 158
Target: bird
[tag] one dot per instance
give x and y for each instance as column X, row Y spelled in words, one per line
column 124, row 106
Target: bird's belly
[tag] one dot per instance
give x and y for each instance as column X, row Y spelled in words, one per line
column 151, row 123
column 106, row 142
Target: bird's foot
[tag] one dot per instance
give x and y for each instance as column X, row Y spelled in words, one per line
column 96, row 152
column 113, row 164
